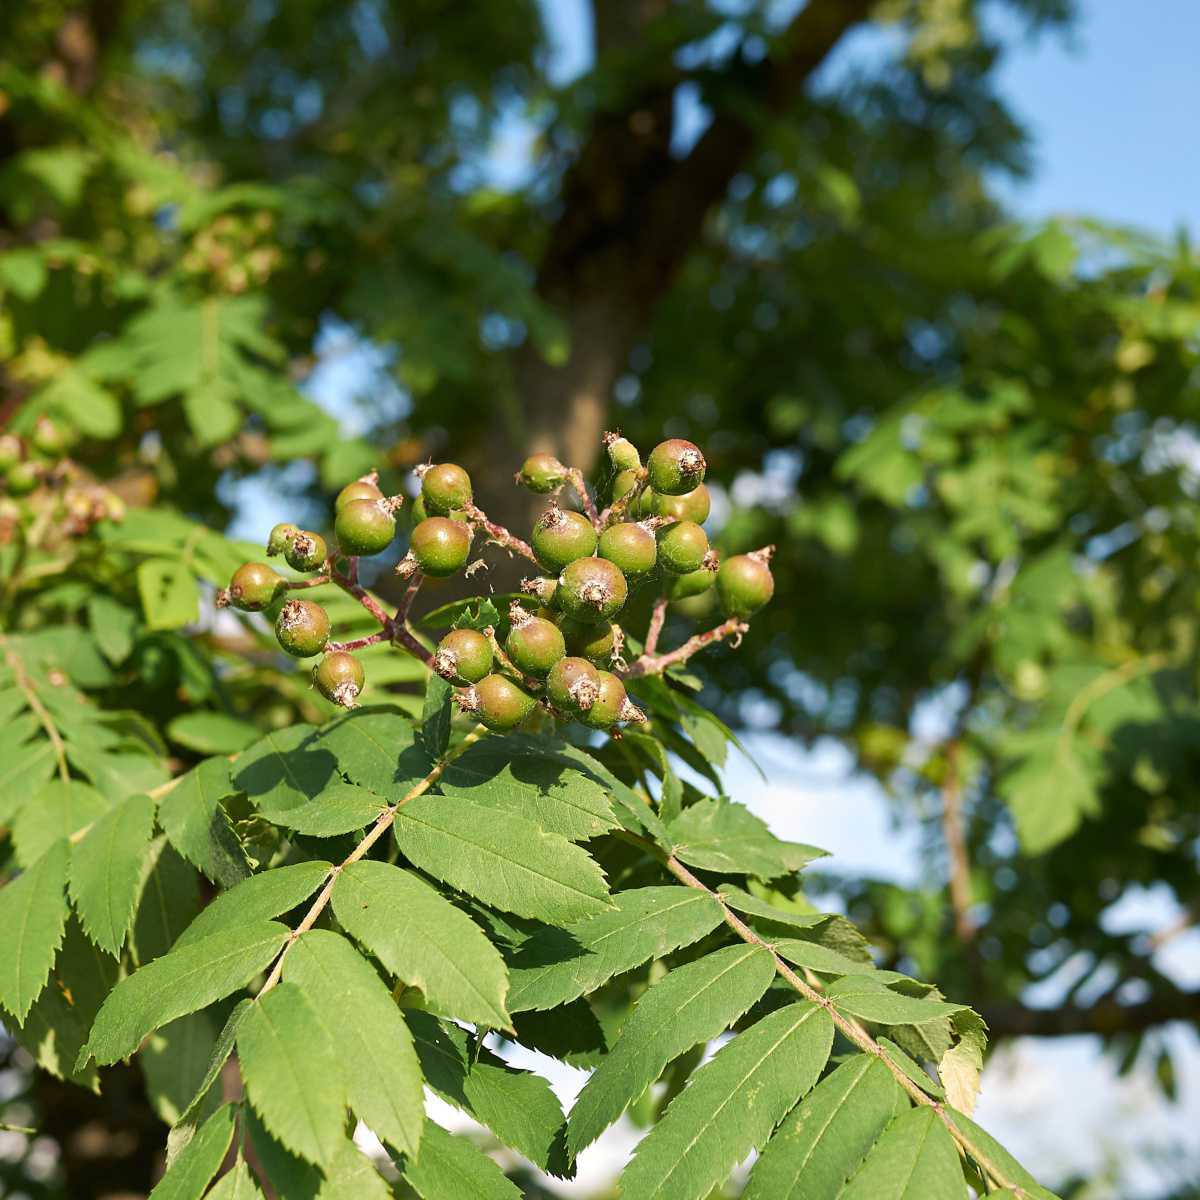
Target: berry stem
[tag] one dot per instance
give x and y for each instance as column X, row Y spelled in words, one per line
column 372, row 639
column 656, row 664
column 657, row 619
column 616, row 512
column 575, row 477
column 295, row 585
column 499, row 535
column 394, row 629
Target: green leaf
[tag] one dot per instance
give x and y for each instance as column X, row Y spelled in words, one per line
column 719, row 835
column 191, row 1173
column 451, row 1168
column 377, row 748
column 86, row 405
column 730, row 1106
column 823, row 1141
column 820, row 958
column 197, row 825
column 211, row 732
column 290, row 1175
column 422, row 939
column 519, row 1107
column 436, row 716
column 556, row 965
column 340, row 808
column 185, row 980
column 692, row 1004
column 513, row 774
column 384, row 1089
column 352, row 1176
column 284, row 769
column 114, row 626
column 212, row 413
column 960, row 1067
column 33, row 914
column 997, row 1156
column 914, row 1159
column 236, row 1184
column 169, row 899
column 259, row 898
column 501, row 859
column 292, row 1074
column 106, row 871
column 862, row 996
column 174, row 1060
column 60, row 809
column 170, row 598
column 23, row 772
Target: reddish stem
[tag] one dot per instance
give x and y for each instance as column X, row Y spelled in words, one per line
column 371, row 639
column 657, row 619
column 656, row 664
column 499, row 535
column 575, row 475
column 295, row 585
column 616, row 512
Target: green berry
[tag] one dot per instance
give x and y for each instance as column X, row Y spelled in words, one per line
column 591, row 590
column 364, row 527
column 573, row 685
column 622, row 453
column 360, row 489
column 11, row 451
column 339, row 678
column 593, row 642
column 255, row 586
column 302, row 628
column 682, row 547
column 280, row 537
column 609, row 705
column 625, row 482
column 561, row 536
column 306, row 551
column 22, row 478
column 49, row 438
column 540, row 588
column 441, row 546
column 675, row 466
column 463, row 657
column 534, row 644
column 420, row 512
column 445, row 488
column 541, row 473
column 745, row 584
column 691, row 506
column 691, row 583
column 501, row 703
column 630, row 547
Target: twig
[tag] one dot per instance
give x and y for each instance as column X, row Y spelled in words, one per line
column 656, row 664
column 654, row 629
column 40, row 710
column 499, row 535
column 295, row 585
column 616, row 512
column 575, row 477
column 370, row 639
column 393, row 629
column 382, row 824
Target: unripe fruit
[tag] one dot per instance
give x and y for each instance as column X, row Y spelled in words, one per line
column 420, row 512
column 22, row 478
column 625, row 482
column 255, row 586
column 280, row 537
column 364, row 527
column 302, row 628
column 49, row 438
column 573, row 685
column 340, row 678
column 692, row 583
column 534, row 644
column 610, row 701
column 502, row 703
column 541, row 588
column 744, row 584
column 440, row 546
column 682, row 547
column 591, row 590
column 560, row 537
column 445, row 488
column 630, row 547
column 541, row 473
column 463, row 656
column 360, row 489
column 675, row 466
column 593, row 642
column 622, row 453
column 11, row 451
column 306, row 551
column 691, row 506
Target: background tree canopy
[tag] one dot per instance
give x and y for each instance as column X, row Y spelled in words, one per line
column 975, row 442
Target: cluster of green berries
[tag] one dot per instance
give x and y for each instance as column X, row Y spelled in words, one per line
column 37, row 478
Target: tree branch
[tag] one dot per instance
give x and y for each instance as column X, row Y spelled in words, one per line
column 1104, row 1018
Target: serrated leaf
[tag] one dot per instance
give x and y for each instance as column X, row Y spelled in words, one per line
column 23, row 773
column 196, row 824
column 170, row 598
column 106, row 871
column 185, row 980
column 236, row 1184
column 825, row 1138
column 192, row 1172
column 730, row 1106
column 519, row 1107
column 820, row 958
column 259, row 898
column 514, row 774
column 352, row 1176
column 284, row 769
column 865, row 997
column 501, row 859
column 60, row 809
column 557, row 965
column 377, row 748
column 348, row 996
column 211, row 732
column 569, row 1032
column 167, row 903
column 451, row 1168
column 114, row 626
column 901, row 1058
column 340, row 808
column 33, row 915
column 692, row 1004
column 436, row 716
column 290, row 1175
column 421, row 938
column 914, row 1159
column 719, row 835
column 997, row 1156
column 960, row 1067
column 173, row 1061
column 292, row 1074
